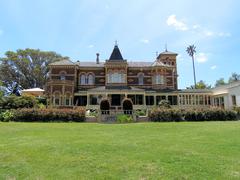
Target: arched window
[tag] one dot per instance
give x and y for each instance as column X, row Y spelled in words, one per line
column 68, row 99
column 140, row 78
column 83, row 79
column 56, row 101
column 90, row 79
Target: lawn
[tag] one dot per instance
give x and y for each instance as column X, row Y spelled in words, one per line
column 200, row 150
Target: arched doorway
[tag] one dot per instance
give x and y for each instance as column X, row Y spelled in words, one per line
column 104, row 106
column 127, row 106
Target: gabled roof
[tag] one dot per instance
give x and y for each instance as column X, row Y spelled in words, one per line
column 64, row 62
column 168, row 53
column 159, row 63
column 116, row 54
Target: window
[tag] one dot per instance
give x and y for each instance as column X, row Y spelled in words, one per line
column 158, row 79
column 68, row 100
column 90, row 79
column 93, row 100
column 83, row 79
column 172, row 100
column 234, row 102
column 116, row 77
column 136, row 99
column 149, row 100
column 56, row 99
column 140, row 78
column 62, row 77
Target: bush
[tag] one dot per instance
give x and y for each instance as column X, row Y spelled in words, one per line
column 6, row 116
column 164, row 104
column 15, row 102
column 123, row 118
column 140, row 112
column 48, row 115
column 166, row 115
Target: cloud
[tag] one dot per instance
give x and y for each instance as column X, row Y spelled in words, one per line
column 1, row 32
column 222, row 34
column 179, row 25
column 213, row 67
column 145, row 41
column 196, row 28
column 201, row 58
column 90, row 46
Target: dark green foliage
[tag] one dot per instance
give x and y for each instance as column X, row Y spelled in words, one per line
column 169, row 115
column 15, row 102
column 26, row 68
column 48, row 115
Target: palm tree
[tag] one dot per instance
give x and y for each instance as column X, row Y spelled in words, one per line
column 191, row 50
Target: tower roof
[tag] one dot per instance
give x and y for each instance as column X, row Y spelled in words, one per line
column 116, row 54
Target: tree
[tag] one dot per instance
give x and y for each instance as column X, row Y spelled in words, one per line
column 191, row 50
column 234, row 77
column 220, row 82
column 200, row 85
column 26, row 68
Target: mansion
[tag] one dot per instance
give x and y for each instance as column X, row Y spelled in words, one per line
column 121, row 85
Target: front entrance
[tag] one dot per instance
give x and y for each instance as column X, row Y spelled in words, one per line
column 127, row 106
column 105, row 106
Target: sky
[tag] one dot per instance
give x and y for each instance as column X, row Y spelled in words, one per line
column 81, row 28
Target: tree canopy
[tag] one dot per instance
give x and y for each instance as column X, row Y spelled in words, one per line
column 200, row 85
column 220, row 82
column 26, row 68
column 234, row 77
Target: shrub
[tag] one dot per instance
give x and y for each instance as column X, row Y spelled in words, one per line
column 46, row 115
column 140, row 112
column 123, row 118
column 15, row 102
column 164, row 104
column 165, row 115
column 6, row 116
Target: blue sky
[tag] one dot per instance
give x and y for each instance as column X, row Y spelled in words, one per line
column 79, row 29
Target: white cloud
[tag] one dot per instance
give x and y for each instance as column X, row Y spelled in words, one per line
column 196, row 26
column 222, row 34
column 145, row 41
column 213, row 67
column 201, row 58
column 1, row 32
column 208, row 33
column 90, row 46
column 179, row 25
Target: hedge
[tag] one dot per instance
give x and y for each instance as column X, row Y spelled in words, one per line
column 175, row 115
column 47, row 115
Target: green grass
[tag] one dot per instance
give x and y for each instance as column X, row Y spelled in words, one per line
column 204, row 150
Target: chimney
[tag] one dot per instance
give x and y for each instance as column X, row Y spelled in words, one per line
column 97, row 60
